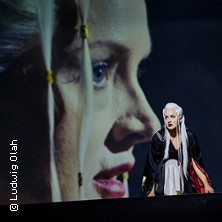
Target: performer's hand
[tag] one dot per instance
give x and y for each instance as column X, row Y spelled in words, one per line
column 209, row 189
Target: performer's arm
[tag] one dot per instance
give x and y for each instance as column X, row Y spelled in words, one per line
column 201, row 175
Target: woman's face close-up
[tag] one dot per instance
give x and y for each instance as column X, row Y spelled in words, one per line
column 119, row 40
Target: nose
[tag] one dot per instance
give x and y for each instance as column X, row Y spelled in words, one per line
column 137, row 124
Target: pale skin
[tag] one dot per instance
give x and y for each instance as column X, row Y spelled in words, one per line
column 121, row 117
column 172, row 120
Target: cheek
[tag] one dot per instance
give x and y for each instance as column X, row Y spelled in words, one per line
column 66, row 136
column 106, row 111
column 67, row 127
column 66, row 132
column 108, row 107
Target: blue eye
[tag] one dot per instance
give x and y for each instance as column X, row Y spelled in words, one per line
column 100, row 73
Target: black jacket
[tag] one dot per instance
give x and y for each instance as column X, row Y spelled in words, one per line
column 153, row 170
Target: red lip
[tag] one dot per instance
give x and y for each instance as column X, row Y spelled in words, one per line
column 107, row 184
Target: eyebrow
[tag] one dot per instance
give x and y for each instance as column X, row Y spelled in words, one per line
column 107, row 44
column 115, row 46
column 114, row 50
column 172, row 115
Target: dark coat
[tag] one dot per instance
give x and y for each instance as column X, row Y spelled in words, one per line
column 154, row 170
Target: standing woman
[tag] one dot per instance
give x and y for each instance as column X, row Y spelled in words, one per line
column 174, row 163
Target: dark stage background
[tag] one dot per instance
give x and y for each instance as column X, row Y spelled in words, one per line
column 185, row 67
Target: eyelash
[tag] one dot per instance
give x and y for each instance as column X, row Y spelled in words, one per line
column 100, row 71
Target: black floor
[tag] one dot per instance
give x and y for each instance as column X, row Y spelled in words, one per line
column 205, row 207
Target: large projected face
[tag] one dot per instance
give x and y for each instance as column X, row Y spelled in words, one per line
column 121, row 116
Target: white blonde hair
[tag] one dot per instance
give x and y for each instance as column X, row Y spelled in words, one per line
column 181, row 130
column 35, row 21
column 86, row 101
column 45, row 13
